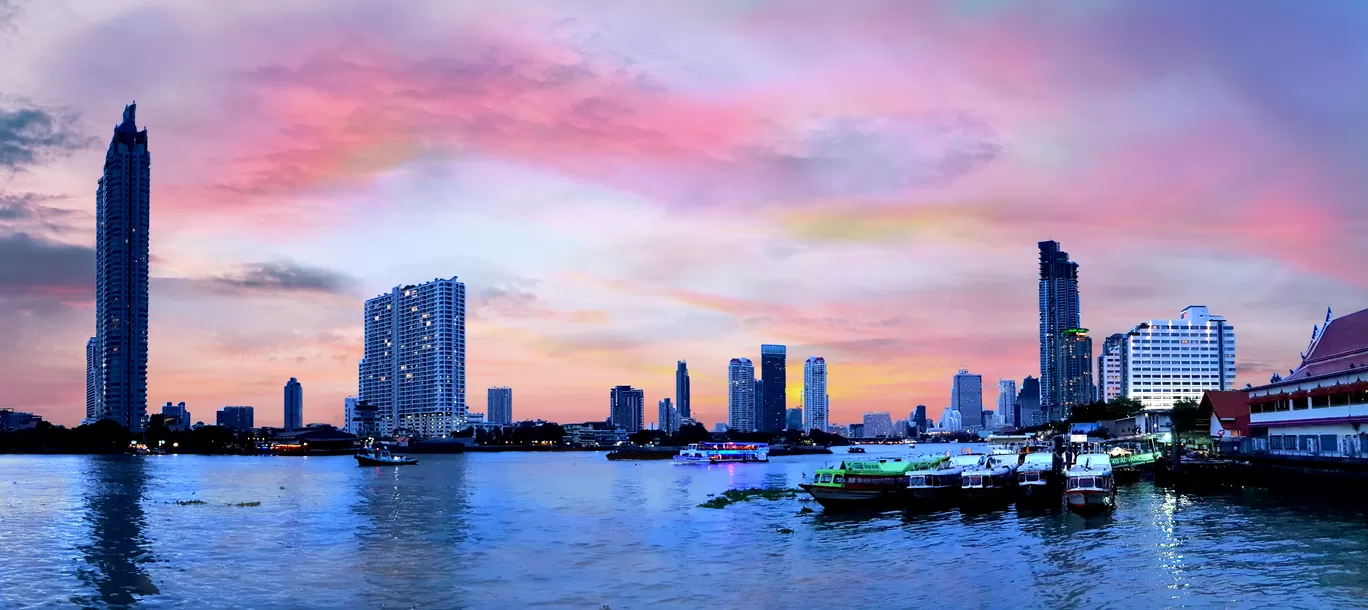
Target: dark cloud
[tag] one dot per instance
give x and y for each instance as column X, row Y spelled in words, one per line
column 30, row 135
column 283, row 277
column 28, row 212
column 9, row 15
column 33, row 266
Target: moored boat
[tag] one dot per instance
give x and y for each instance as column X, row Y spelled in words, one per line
column 1133, row 455
column 1090, row 485
column 941, row 485
column 992, row 482
column 723, row 453
column 380, row 456
column 1038, row 478
column 855, row 450
column 864, row 484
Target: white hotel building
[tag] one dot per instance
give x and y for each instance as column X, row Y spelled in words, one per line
column 413, row 367
column 741, row 395
column 1163, row 361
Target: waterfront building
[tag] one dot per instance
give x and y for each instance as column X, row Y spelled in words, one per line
column 989, row 419
column 92, row 406
column 499, row 405
column 741, row 395
column 175, row 416
column 774, row 374
column 759, row 394
column 294, row 405
column 362, row 418
column 966, row 397
column 414, row 364
column 627, row 407
column 236, row 418
column 594, row 434
column 1029, row 398
column 667, row 418
column 1059, row 311
column 1076, row 386
column 1163, row 361
column 900, row 428
column 794, row 420
column 1320, row 408
column 348, row 411
column 122, row 221
column 951, row 420
column 815, row 412
column 11, row 420
column 878, row 423
column 1228, row 421
column 1007, row 401
column 1108, row 377
column 719, row 428
column 682, row 390
column 919, row 416
column 856, row 431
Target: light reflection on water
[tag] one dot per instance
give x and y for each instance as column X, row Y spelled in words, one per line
column 575, row 530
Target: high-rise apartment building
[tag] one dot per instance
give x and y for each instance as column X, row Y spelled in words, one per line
column 667, row 417
column 122, row 219
column 1030, row 411
column 92, row 410
column 1007, row 401
column 237, row 418
column 682, row 390
column 1059, row 311
column 1163, row 361
column 499, row 406
column 1076, row 386
column 878, row 423
column 773, row 371
column 815, row 416
column 294, row 405
column 413, row 369
column 627, row 408
column 966, row 397
column 919, row 418
column 741, row 395
column 1109, row 368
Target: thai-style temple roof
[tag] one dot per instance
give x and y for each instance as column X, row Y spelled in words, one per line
column 1341, row 346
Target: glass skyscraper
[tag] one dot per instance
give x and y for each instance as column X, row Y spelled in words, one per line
column 122, row 217
column 741, row 395
column 682, row 390
column 294, row 405
column 1059, row 311
column 773, row 402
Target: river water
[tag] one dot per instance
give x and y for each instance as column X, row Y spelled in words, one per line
column 574, row 530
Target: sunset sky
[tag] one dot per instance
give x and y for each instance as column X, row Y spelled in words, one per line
column 623, row 184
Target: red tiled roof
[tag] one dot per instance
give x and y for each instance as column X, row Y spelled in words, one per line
column 1227, row 406
column 1342, row 346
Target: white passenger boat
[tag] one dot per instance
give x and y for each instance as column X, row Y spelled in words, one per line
column 1090, row 484
column 992, row 482
column 1038, row 478
column 942, row 484
column 723, row 453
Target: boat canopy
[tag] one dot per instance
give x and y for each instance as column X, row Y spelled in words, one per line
column 1092, row 461
column 1039, row 459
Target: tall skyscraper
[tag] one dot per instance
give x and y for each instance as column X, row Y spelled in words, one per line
column 759, row 404
column 122, row 218
column 1109, row 368
column 919, row 418
column 627, row 408
column 773, row 371
column 1059, row 311
column 682, row 390
column 1076, row 364
column 294, row 405
column 92, row 411
column 741, row 395
column 815, row 394
column 1163, row 361
column 1007, row 401
column 413, row 369
column 499, row 406
column 667, row 418
column 1029, row 399
column 966, row 397
column 237, row 418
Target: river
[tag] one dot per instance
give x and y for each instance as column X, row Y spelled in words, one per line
column 574, row 530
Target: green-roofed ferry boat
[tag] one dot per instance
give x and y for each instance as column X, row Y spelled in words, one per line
column 865, row 483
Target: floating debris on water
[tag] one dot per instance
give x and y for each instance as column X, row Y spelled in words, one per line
column 242, row 504
column 189, row 502
column 785, row 530
column 806, row 510
column 732, row 496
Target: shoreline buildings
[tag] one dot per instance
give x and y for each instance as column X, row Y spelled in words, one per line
column 122, row 221
column 499, row 406
column 667, row 418
column 741, row 395
column 413, row 369
column 1059, row 311
column 815, row 396
column 1028, row 404
column 626, row 408
column 294, row 405
column 240, row 419
column 176, row 416
column 1163, row 361
column 773, row 396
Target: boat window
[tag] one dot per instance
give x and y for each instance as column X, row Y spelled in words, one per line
column 826, row 478
column 840, row 478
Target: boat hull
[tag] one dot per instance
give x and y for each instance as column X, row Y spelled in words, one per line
column 836, row 498
column 363, row 460
column 1090, row 500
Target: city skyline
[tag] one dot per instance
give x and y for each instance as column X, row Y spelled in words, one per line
column 698, row 181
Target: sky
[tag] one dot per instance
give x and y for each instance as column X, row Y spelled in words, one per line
column 622, row 185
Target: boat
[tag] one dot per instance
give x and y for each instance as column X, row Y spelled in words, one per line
column 1132, row 455
column 855, row 450
column 874, row 484
column 723, row 453
column 992, row 481
column 381, row 456
column 1090, row 484
column 1038, row 478
column 941, row 483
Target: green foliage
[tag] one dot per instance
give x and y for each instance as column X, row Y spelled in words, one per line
column 732, row 496
column 1189, row 416
column 1118, row 408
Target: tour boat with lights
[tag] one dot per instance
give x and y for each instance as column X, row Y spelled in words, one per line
column 723, row 453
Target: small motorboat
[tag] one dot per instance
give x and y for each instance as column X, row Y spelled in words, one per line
column 1038, row 479
column 1091, row 486
column 381, row 456
column 855, row 450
